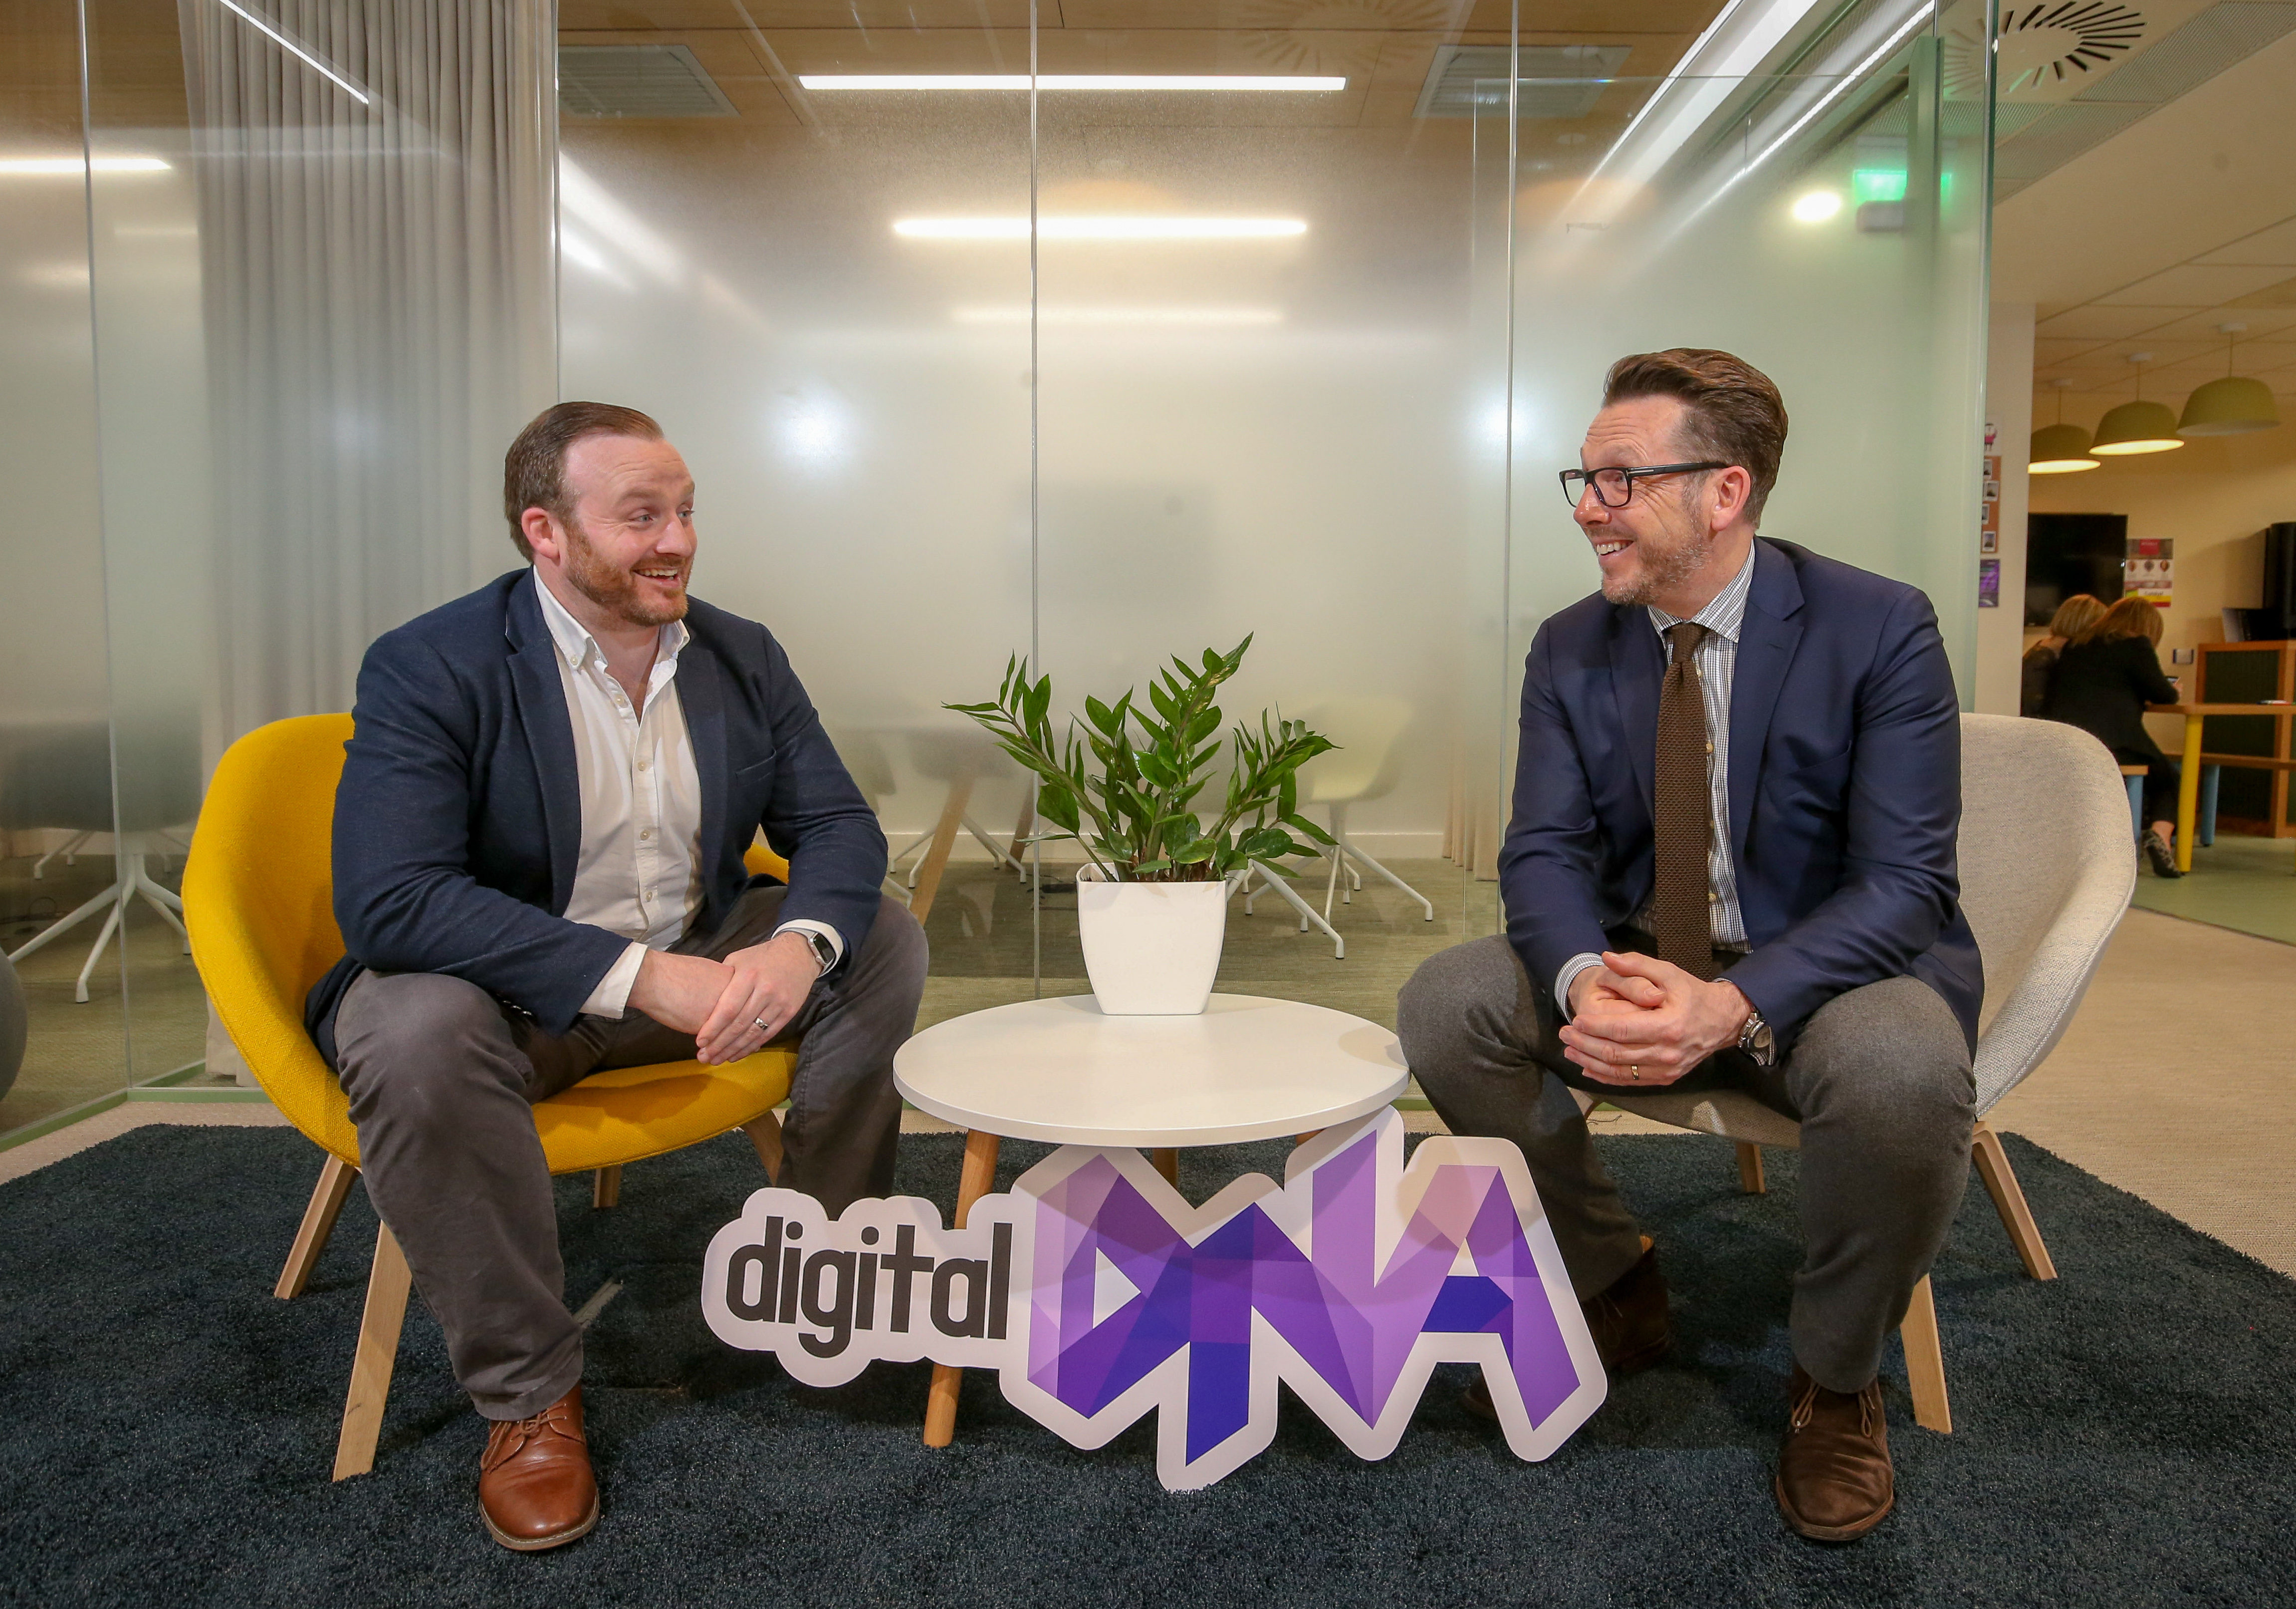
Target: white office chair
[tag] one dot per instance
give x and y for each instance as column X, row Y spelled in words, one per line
column 1364, row 766
column 2046, row 873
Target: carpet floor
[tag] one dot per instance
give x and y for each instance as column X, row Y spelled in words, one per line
column 166, row 1426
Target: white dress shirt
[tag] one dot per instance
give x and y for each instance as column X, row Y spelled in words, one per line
column 1717, row 667
column 639, row 871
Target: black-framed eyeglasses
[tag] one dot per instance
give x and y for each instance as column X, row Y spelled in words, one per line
column 1613, row 486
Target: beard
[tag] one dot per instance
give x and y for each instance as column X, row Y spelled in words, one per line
column 1663, row 561
column 614, row 588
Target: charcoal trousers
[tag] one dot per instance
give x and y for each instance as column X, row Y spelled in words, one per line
column 441, row 1077
column 1878, row 1078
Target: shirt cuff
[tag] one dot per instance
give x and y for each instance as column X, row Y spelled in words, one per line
column 1568, row 976
column 611, row 998
column 804, row 924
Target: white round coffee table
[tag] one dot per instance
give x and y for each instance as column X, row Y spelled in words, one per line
column 1058, row 1070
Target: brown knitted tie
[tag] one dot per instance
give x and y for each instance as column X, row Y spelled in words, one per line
column 1681, row 896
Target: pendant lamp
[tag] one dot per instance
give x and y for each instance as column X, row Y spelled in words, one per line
column 2060, row 449
column 2230, row 407
column 2138, row 426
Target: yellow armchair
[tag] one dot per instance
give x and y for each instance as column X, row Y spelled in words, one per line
column 257, row 899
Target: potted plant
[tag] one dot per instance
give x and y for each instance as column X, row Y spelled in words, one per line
column 1152, row 899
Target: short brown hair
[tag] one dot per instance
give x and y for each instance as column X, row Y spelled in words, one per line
column 2130, row 617
column 534, row 469
column 1731, row 410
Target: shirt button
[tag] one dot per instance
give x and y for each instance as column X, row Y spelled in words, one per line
column 1710, row 896
column 1710, row 748
column 646, row 835
column 645, row 765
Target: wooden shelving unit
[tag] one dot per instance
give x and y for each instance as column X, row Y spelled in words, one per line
column 2252, row 792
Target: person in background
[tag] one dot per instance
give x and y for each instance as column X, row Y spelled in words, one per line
column 2074, row 616
column 2104, row 680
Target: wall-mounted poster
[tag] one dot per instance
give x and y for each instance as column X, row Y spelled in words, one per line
column 2150, row 568
column 1989, row 583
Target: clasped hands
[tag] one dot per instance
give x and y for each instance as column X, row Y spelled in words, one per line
column 1638, row 1021
column 722, row 1003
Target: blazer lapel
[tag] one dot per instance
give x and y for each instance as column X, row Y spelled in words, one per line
column 1637, row 668
column 1767, row 640
column 541, row 698
column 702, row 696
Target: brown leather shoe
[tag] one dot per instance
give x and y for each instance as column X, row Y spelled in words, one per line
column 1629, row 1320
column 1835, row 1481
column 535, row 1489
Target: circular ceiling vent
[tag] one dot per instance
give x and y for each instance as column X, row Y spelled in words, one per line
column 2051, row 51
column 2046, row 45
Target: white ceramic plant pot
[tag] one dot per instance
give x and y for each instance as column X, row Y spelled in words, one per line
column 1150, row 948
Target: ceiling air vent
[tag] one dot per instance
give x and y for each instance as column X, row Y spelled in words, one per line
column 636, row 81
column 1557, row 80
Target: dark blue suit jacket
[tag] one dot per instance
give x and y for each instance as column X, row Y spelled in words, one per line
column 1845, row 789
column 458, row 821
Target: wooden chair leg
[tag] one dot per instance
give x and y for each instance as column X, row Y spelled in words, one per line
column 327, row 1198
column 1749, row 1169
column 1926, row 1362
column 606, row 1186
column 980, row 1173
column 765, row 1132
column 2009, row 1201
column 378, row 1355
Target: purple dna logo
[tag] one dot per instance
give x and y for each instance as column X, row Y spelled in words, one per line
column 1100, row 1293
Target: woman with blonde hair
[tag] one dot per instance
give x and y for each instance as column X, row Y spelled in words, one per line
column 2074, row 616
column 2104, row 680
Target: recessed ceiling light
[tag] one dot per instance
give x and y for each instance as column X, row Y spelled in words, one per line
column 1138, row 226
column 1156, row 82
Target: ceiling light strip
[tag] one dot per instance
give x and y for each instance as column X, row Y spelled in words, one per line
column 297, row 51
column 1107, row 226
column 72, row 166
column 1190, row 83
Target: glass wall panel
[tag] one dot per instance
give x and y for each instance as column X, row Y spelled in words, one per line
column 1257, row 416
column 56, row 761
column 746, row 265
column 1828, row 228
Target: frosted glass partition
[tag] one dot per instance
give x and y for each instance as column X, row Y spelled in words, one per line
column 55, row 781
column 1279, row 323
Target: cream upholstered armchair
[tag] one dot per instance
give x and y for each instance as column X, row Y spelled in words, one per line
column 2046, row 873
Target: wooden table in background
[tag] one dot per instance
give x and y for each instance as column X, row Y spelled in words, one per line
column 2188, row 784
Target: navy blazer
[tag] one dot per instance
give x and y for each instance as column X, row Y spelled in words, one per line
column 458, row 821
column 1845, row 789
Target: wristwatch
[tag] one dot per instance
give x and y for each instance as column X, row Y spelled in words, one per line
column 825, row 952
column 1757, row 1041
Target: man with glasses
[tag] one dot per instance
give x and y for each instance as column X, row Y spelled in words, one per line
column 1731, row 865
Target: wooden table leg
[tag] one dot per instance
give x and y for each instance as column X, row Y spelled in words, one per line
column 2188, row 794
column 943, row 840
column 1166, row 1160
column 980, row 1173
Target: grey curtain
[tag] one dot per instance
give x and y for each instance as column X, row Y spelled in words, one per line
column 380, row 308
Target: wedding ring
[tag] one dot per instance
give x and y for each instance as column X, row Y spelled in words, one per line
column 758, row 1024
column 1633, row 1072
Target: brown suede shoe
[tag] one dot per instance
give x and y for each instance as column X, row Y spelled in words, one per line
column 1835, row 1480
column 535, row 1489
column 1629, row 1322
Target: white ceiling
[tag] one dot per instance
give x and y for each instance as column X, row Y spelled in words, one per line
column 2147, row 243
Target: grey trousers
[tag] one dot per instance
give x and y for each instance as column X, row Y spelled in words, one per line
column 1878, row 1078
column 441, row 1076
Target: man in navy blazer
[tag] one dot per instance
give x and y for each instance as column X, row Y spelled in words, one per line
column 1731, row 865
column 538, row 872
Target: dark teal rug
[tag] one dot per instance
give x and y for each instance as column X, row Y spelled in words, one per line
column 2125, row 1436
